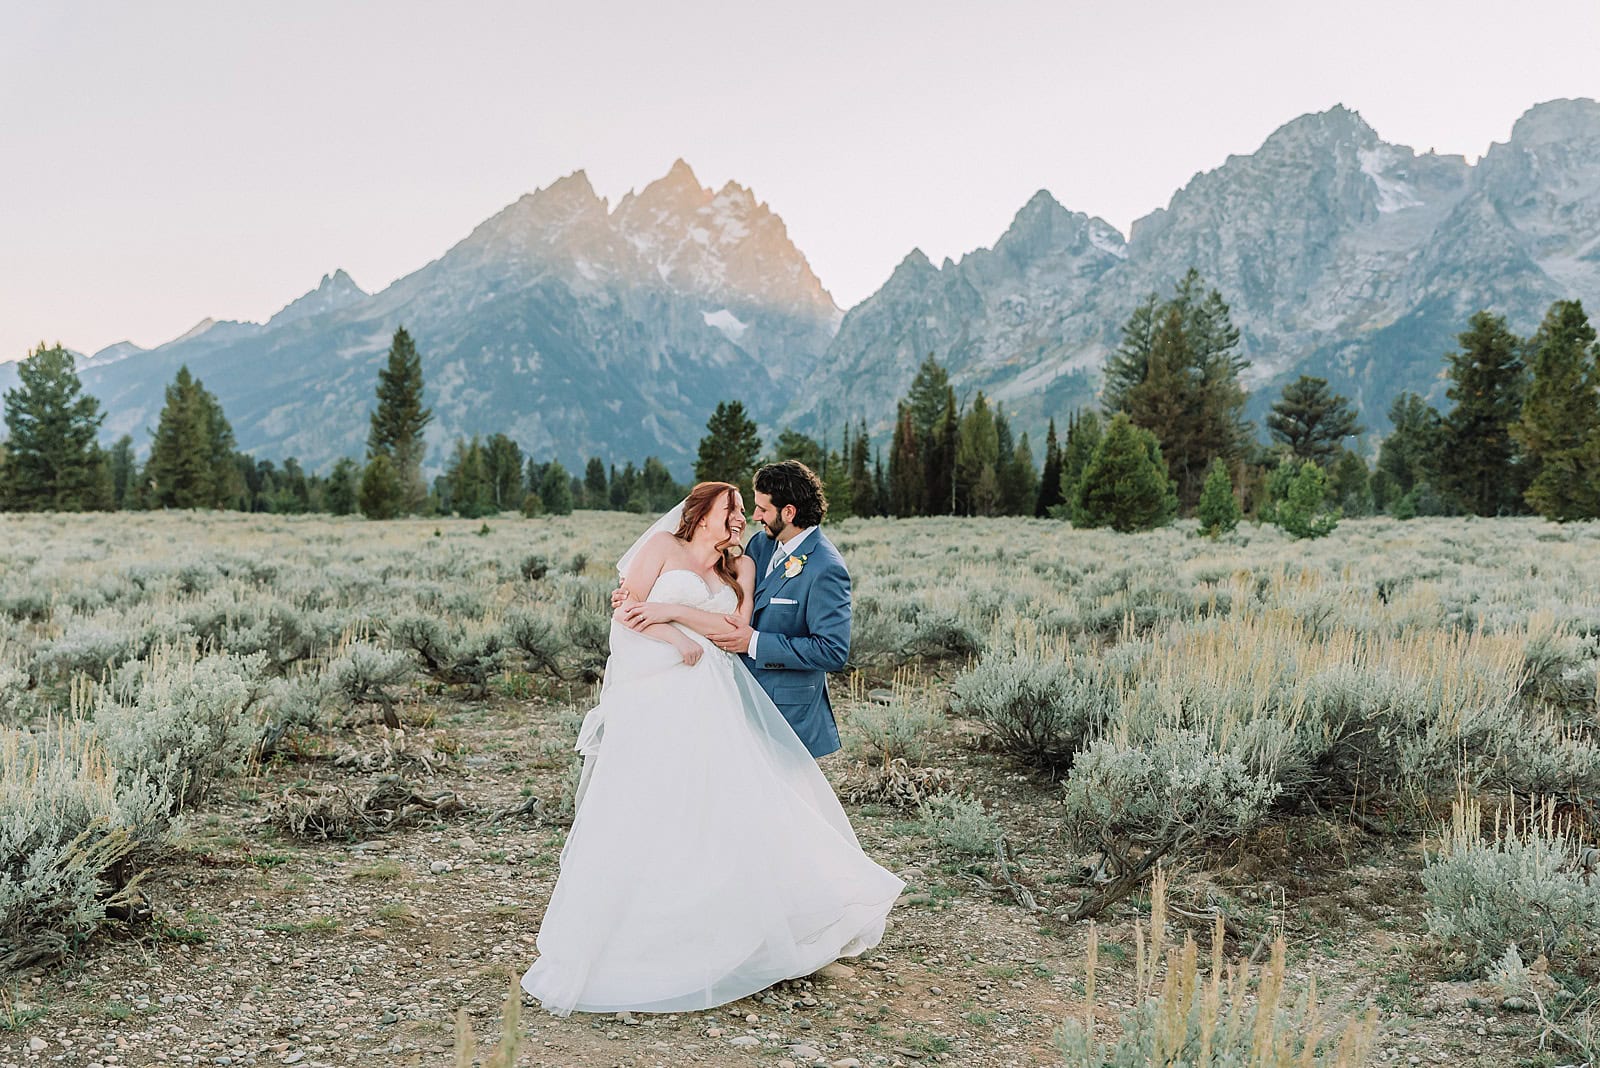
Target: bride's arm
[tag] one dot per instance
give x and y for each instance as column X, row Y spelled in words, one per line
column 698, row 620
column 639, row 581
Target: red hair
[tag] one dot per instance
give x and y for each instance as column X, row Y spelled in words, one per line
column 696, row 507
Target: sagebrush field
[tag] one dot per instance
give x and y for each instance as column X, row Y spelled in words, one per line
column 292, row 790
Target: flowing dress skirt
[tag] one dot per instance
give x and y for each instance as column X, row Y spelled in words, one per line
column 709, row 858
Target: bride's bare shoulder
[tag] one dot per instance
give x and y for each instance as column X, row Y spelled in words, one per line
column 744, row 568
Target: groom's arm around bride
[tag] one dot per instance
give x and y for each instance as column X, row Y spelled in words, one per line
column 800, row 628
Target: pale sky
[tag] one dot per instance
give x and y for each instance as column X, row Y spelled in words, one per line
column 161, row 162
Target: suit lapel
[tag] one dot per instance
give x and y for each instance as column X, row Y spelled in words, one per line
column 768, row 587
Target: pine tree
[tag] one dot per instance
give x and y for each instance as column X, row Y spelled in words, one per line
column 617, row 494
column 880, row 485
column 52, row 461
column 1407, row 457
column 1083, row 440
column 926, row 399
column 596, row 491
column 1351, row 484
column 660, row 489
column 502, row 459
column 977, row 452
column 555, row 489
column 1176, row 374
column 1049, row 495
column 730, row 450
column 191, row 456
column 469, row 490
column 835, row 475
column 382, row 496
column 863, row 492
column 793, row 445
column 1488, row 379
column 1129, row 363
column 1019, row 481
column 934, row 419
column 939, row 460
column 344, row 487
column 907, row 491
column 1218, row 509
column 124, row 473
column 1559, row 427
column 399, row 419
column 1125, row 485
column 1312, row 420
column 1304, row 512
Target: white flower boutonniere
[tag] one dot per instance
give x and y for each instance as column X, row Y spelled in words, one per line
column 793, row 566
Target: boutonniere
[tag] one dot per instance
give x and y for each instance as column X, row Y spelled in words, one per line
column 793, row 566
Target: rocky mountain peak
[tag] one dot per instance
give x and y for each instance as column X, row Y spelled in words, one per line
column 1556, row 122
column 1319, row 132
column 335, row 291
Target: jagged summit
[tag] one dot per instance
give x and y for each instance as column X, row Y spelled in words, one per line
column 336, row 291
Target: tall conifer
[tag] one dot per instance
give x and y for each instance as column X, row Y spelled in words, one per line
column 52, row 462
column 399, row 419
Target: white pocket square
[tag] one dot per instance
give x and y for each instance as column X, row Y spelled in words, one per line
column 782, row 600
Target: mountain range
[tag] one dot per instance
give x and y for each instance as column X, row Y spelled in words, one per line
column 583, row 329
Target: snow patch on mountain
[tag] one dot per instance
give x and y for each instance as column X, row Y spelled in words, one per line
column 724, row 320
column 1394, row 194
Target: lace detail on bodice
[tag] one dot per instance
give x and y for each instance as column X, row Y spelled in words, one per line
column 681, row 586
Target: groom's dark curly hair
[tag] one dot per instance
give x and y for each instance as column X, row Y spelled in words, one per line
column 792, row 482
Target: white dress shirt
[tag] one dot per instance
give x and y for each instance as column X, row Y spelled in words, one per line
column 784, row 550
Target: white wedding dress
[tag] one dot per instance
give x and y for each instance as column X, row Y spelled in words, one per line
column 709, row 857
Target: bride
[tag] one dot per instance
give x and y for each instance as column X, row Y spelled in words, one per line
column 709, row 857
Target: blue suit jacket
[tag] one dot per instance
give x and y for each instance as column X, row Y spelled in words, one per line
column 804, row 623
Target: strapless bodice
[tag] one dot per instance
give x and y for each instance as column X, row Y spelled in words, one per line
column 682, row 586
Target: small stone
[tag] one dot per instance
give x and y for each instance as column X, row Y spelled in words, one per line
column 847, row 1062
column 715, row 1032
column 836, row 971
column 37, row 1045
column 439, row 867
column 786, row 1063
column 806, row 1053
column 935, row 991
column 626, row 1017
column 388, row 1018
column 752, row 1018
column 293, row 1058
column 744, row 1040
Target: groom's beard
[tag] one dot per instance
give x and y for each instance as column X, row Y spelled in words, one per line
column 775, row 531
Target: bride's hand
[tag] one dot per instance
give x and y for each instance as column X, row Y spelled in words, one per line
column 638, row 615
column 691, row 651
column 620, row 596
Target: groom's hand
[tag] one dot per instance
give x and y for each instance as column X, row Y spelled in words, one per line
column 736, row 639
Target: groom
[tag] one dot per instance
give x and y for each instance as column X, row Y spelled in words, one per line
column 800, row 627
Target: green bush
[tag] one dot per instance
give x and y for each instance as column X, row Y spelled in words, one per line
column 899, row 728
column 71, row 830
column 1218, row 510
column 1524, row 885
column 960, row 825
column 1162, row 792
column 1041, row 709
column 1125, row 486
column 1304, row 513
column 180, row 718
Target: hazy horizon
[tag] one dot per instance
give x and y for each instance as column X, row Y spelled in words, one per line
column 176, row 161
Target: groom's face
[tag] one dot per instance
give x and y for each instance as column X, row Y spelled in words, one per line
column 774, row 519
